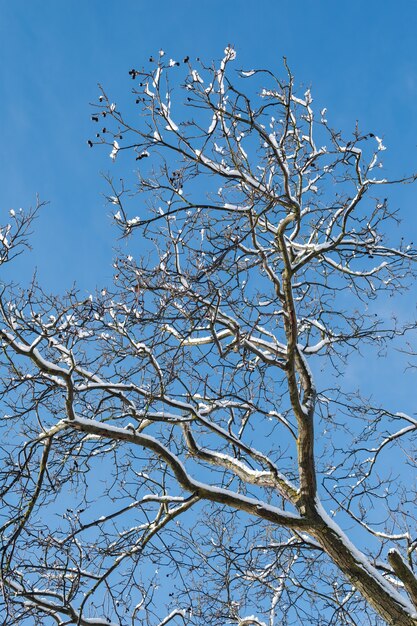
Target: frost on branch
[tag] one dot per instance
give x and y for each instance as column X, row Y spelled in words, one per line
column 172, row 450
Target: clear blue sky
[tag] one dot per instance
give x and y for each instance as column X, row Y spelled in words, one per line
column 359, row 57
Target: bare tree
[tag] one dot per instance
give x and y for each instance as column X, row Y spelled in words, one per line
column 183, row 446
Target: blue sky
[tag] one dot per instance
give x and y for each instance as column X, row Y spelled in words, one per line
column 360, row 59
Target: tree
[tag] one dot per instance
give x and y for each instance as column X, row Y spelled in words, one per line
column 183, row 445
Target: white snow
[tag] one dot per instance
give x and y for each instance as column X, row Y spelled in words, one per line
column 381, row 146
column 113, row 153
column 156, row 78
column 230, row 53
column 213, row 124
column 196, row 77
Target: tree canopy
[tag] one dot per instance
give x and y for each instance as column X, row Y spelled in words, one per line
column 184, row 445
